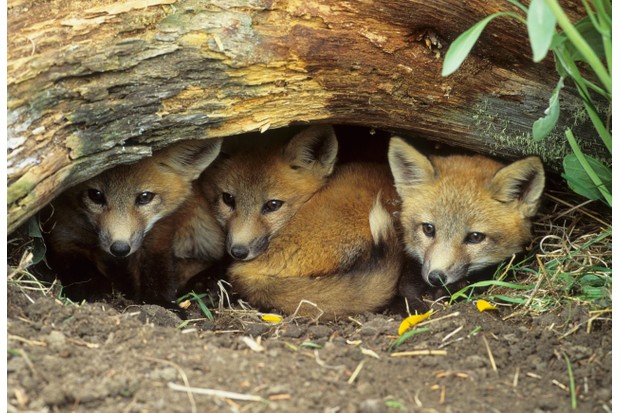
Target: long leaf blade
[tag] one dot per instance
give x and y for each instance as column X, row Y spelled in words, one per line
column 543, row 126
column 462, row 45
column 540, row 28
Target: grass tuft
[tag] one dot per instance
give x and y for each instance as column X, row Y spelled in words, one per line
column 569, row 260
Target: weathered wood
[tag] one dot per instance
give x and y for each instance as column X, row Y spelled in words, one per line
column 95, row 84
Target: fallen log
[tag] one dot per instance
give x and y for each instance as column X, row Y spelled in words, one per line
column 96, row 84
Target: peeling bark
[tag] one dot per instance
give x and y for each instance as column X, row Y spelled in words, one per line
column 95, row 84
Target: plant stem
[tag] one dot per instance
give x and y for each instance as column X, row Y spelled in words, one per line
column 580, row 43
column 519, row 5
column 571, row 380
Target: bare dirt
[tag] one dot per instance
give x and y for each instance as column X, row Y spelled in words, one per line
column 115, row 356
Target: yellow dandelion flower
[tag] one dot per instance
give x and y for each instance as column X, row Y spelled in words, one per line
column 412, row 321
column 484, row 305
column 271, row 318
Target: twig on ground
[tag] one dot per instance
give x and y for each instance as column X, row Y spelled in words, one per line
column 491, row 358
column 515, row 380
column 183, row 377
column 216, row 393
column 420, row 353
column 356, row 372
column 310, row 303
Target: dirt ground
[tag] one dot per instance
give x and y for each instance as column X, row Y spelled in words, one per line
column 115, row 356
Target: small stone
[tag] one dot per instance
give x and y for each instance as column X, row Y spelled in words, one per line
column 372, row 406
column 293, row 331
column 158, row 316
column 56, row 341
column 319, row 331
column 474, row 361
column 165, row 374
column 256, row 329
column 53, row 394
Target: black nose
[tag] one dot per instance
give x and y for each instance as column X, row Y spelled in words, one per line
column 120, row 249
column 239, row 252
column 437, row 278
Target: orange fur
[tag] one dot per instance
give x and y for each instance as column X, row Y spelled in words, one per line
column 318, row 245
column 99, row 228
column 461, row 214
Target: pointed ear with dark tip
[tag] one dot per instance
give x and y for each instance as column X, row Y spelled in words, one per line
column 314, row 149
column 409, row 167
column 190, row 158
column 523, row 182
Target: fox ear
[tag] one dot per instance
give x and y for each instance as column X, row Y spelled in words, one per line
column 314, row 149
column 409, row 167
column 190, row 158
column 522, row 181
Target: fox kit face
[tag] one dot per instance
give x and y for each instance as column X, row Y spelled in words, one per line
column 255, row 194
column 122, row 204
column 461, row 214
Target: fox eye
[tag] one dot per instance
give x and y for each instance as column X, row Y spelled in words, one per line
column 272, row 205
column 228, row 199
column 96, row 196
column 475, row 238
column 428, row 229
column 144, row 198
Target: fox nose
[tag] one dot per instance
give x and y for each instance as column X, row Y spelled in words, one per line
column 120, row 249
column 239, row 252
column 437, row 278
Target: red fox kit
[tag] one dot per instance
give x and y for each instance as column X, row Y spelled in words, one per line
column 463, row 213
column 301, row 229
column 99, row 226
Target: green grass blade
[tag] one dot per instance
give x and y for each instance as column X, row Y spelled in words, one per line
column 311, row 344
column 603, row 11
column 463, row 293
column 406, row 336
column 508, row 299
column 566, row 61
column 607, row 46
column 519, row 5
column 599, row 125
column 204, row 308
column 601, row 15
column 540, row 28
column 571, row 379
column 597, row 89
column 581, row 248
column 580, row 44
column 198, row 298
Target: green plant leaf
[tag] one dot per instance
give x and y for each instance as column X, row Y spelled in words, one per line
column 38, row 244
column 591, row 35
column 592, row 280
column 203, row 306
column 543, row 126
column 579, row 180
column 406, row 336
column 311, row 344
column 581, row 44
column 462, row 45
column 192, row 296
column 540, row 28
column 508, row 299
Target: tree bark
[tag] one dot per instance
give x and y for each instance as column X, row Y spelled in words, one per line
column 95, row 84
